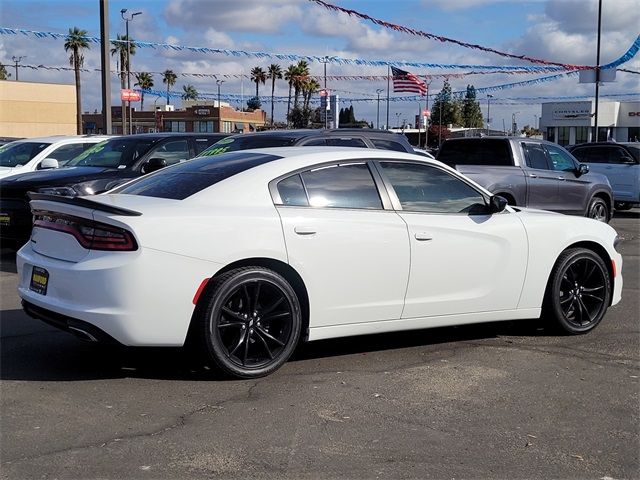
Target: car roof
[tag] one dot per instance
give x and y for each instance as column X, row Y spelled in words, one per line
column 308, row 132
column 158, row 135
column 60, row 138
column 592, row 144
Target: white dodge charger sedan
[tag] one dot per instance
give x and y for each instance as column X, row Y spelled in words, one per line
column 244, row 254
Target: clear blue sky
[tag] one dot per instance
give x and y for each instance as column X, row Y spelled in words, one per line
column 557, row 30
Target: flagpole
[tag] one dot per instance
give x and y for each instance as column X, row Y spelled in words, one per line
column 388, row 75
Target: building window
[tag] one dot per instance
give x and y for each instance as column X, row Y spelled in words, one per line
column 174, row 126
column 227, row 127
column 633, row 134
column 563, row 135
column 551, row 134
column 582, row 134
column 602, row 133
column 203, row 127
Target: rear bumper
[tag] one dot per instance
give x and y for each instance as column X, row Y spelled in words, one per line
column 141, row 298
column 79, row 328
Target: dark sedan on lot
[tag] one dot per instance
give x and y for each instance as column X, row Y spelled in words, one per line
column 98, row 169
column 342, row 137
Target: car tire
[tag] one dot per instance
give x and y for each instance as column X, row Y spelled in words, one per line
column 598, row 210
column 578, row 292
column 623, row 206
column 249, row 322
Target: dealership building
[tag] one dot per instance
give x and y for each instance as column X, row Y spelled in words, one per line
column 569, row 123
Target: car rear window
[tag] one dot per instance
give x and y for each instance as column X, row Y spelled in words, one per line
column 234, row 144
column 484, row 151
column 185, row 179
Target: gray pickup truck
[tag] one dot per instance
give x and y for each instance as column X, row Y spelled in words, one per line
column 531, row 173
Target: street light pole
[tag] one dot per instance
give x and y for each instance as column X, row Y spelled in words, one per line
column 17, row 60
column 378, row 91
column 598, row 70
column 514, row 126
column 489, row 97
column 218, row 83
column 126, row 21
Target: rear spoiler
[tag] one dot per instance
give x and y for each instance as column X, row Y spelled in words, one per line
column 84, row 202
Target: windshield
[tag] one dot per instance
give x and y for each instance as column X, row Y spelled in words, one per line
column 113, row 153
column 233, row 144
column 15, row 154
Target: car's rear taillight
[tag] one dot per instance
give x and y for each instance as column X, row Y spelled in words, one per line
column 90, row 234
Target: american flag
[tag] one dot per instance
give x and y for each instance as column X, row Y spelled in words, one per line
column 407, row 82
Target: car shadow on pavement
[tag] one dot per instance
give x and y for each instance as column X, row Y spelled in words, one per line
column 8, row 260
column 33, row 351
column 634, row 213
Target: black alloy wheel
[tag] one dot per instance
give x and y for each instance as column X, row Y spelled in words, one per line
column 251, row 323
column 598, row 210
column 579, row 291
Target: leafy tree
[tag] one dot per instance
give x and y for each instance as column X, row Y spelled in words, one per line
column 302, row 72
column 445, row 109
column 254, row 103
column 119, row 49
column 169, row 79
column 352, row 117
column 471, row 113
column 274, row 72
column 309, row 87
column 290, row 75
column 75, row 42
column 189, row 92
column 145, row 81
column 300, row 117
column 4, row 75
column 258, row 76
column 437, row 133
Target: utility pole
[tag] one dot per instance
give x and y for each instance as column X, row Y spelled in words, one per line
column 598, row 70
column 489, row 97
column 17, row 60
column 218, row 83
column 126, row 21
column 378, row 91
column 104, row 64
column 327, row 109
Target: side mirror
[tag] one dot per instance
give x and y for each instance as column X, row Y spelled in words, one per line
column 497, row 204
column 48, row 163
column 154, row 164
column 582, row 170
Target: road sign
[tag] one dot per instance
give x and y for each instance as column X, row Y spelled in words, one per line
column 128, row 95
column 426, row 113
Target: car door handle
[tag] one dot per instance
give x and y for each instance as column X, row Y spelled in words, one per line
column 560, row 178
column 533, row 175
column 423, row 237
column 305, row 230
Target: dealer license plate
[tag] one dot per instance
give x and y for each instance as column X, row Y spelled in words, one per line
column 39, row 280
column 5, row 219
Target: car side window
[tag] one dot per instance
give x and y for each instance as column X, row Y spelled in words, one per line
column 346, row 142
column 172, row 152
column 560, row 160
column 342, row 186
column 616, row 154
column 292, row 192
column 388, row 145
column 64, row 153
column 535, row 156
column 315, row 142
column 423, row 188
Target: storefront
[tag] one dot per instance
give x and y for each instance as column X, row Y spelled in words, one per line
column 569, row 123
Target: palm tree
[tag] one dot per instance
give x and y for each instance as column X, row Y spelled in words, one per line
column 119, row 48
column 76, row 41
column 274, row 72
column 169, row 78
column 290, row 75
column 258, row 76
column 309, row 87
column 145, row 81
column 189, row 92
column 302, row 72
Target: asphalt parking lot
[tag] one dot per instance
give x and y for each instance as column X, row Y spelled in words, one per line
column 508, row 401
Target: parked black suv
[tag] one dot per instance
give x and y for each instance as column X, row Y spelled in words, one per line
column 341, row 137
column 98, row 169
